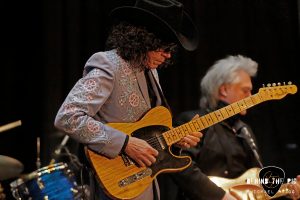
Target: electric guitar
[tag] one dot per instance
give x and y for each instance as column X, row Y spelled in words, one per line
column 242, row 189
column 122, row 178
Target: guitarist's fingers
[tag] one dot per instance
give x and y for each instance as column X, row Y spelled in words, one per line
column 196, row 116
column 152, row 151
column 146, row 161
column 152, row 160
column 192, row 139
column 140, row 151
column 196, row 134
column 140, row 163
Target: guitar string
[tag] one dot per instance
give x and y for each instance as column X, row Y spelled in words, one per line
column 154, row 140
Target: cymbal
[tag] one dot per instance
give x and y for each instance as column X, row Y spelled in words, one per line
column 9, row 167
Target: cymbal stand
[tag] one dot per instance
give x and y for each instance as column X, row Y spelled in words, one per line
column 38, row 147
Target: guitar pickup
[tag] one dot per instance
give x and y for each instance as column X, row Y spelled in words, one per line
column 127, row 161
column 135, row 177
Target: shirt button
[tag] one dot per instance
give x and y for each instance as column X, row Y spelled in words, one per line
column 226, row 172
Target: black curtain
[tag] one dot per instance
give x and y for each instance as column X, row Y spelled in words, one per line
column 45, row 45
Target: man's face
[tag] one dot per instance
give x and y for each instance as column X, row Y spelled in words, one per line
column 156, row 58
column 231, row 93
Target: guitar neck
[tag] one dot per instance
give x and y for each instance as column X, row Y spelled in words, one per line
column 176, row 134
column 266, row 93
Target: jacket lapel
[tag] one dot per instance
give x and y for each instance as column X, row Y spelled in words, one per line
column 143, row 86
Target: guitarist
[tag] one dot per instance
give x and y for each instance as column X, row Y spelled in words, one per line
column 229, row 148
column 121, row 84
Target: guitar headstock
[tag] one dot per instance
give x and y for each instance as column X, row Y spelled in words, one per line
column 277, row 91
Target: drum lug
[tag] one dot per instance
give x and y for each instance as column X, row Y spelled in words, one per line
column 40, row 183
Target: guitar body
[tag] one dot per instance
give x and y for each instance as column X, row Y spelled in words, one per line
column 227, row 183
column 243, row 190
column 120, row 177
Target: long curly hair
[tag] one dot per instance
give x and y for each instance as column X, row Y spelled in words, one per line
column 133, row 42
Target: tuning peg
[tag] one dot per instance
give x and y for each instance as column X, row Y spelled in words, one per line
column 283, row 83
column 273, row 84
column 290, row 83
column 263, row 85
column 269, row 84
column 279, row 84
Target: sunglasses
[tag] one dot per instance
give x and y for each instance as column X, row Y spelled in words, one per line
column 170, row 48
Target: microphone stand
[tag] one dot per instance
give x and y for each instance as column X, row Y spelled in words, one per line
column 251, row 143
column 38, row 148
column 60, row 147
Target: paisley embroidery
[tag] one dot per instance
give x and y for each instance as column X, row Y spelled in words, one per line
column 89, row 85
column 69, row 108
column 92, row 126
column 131, row 98
column 134, row 100
column 127, row 71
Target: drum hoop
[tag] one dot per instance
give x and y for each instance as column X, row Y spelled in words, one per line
column 52, row 167
column 38, row 173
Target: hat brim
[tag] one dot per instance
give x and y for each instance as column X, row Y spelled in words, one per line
column 187, row 34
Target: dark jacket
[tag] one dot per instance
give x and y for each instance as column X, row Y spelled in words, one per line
column 223, row 151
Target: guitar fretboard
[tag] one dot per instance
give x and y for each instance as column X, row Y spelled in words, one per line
column 176, row 134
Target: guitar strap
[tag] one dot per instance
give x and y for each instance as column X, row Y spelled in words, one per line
column 157, row 90
column 156, row 98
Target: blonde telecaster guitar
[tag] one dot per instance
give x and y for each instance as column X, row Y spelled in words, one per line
column 121, row 178
column 244, row 189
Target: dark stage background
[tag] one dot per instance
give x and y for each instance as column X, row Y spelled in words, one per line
column 45, row 44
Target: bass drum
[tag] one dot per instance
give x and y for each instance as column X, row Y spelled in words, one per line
column 55, row 181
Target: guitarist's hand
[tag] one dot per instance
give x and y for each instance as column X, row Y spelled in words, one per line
column 190, row 140
column 141, row 152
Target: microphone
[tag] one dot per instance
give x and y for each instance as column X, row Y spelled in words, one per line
column 60, row 147
column 244, row 132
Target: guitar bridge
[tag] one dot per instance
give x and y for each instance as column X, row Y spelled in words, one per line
column 135, row 177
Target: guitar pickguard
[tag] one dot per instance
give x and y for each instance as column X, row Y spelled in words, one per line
column 166, row 160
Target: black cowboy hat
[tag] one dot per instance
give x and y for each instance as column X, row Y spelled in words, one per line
column 164, row 17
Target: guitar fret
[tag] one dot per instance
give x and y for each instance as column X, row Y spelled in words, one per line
column 185, row 129
column 242, row 105
column 254, row 100
column 229, row 110
column 193, row 127
column 199, row 123
column 224, row 113
column 219, row 115
column 189, row 128
column 177, row 132
column 209, row 119
column 196, row 124
column 249, row 102
column 167, row 137
column 260, row 97
column 236, row 108
column 204, row 122
column 214, row 117
column 174, row 136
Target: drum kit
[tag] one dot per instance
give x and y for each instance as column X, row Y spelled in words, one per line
column 56, row 181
